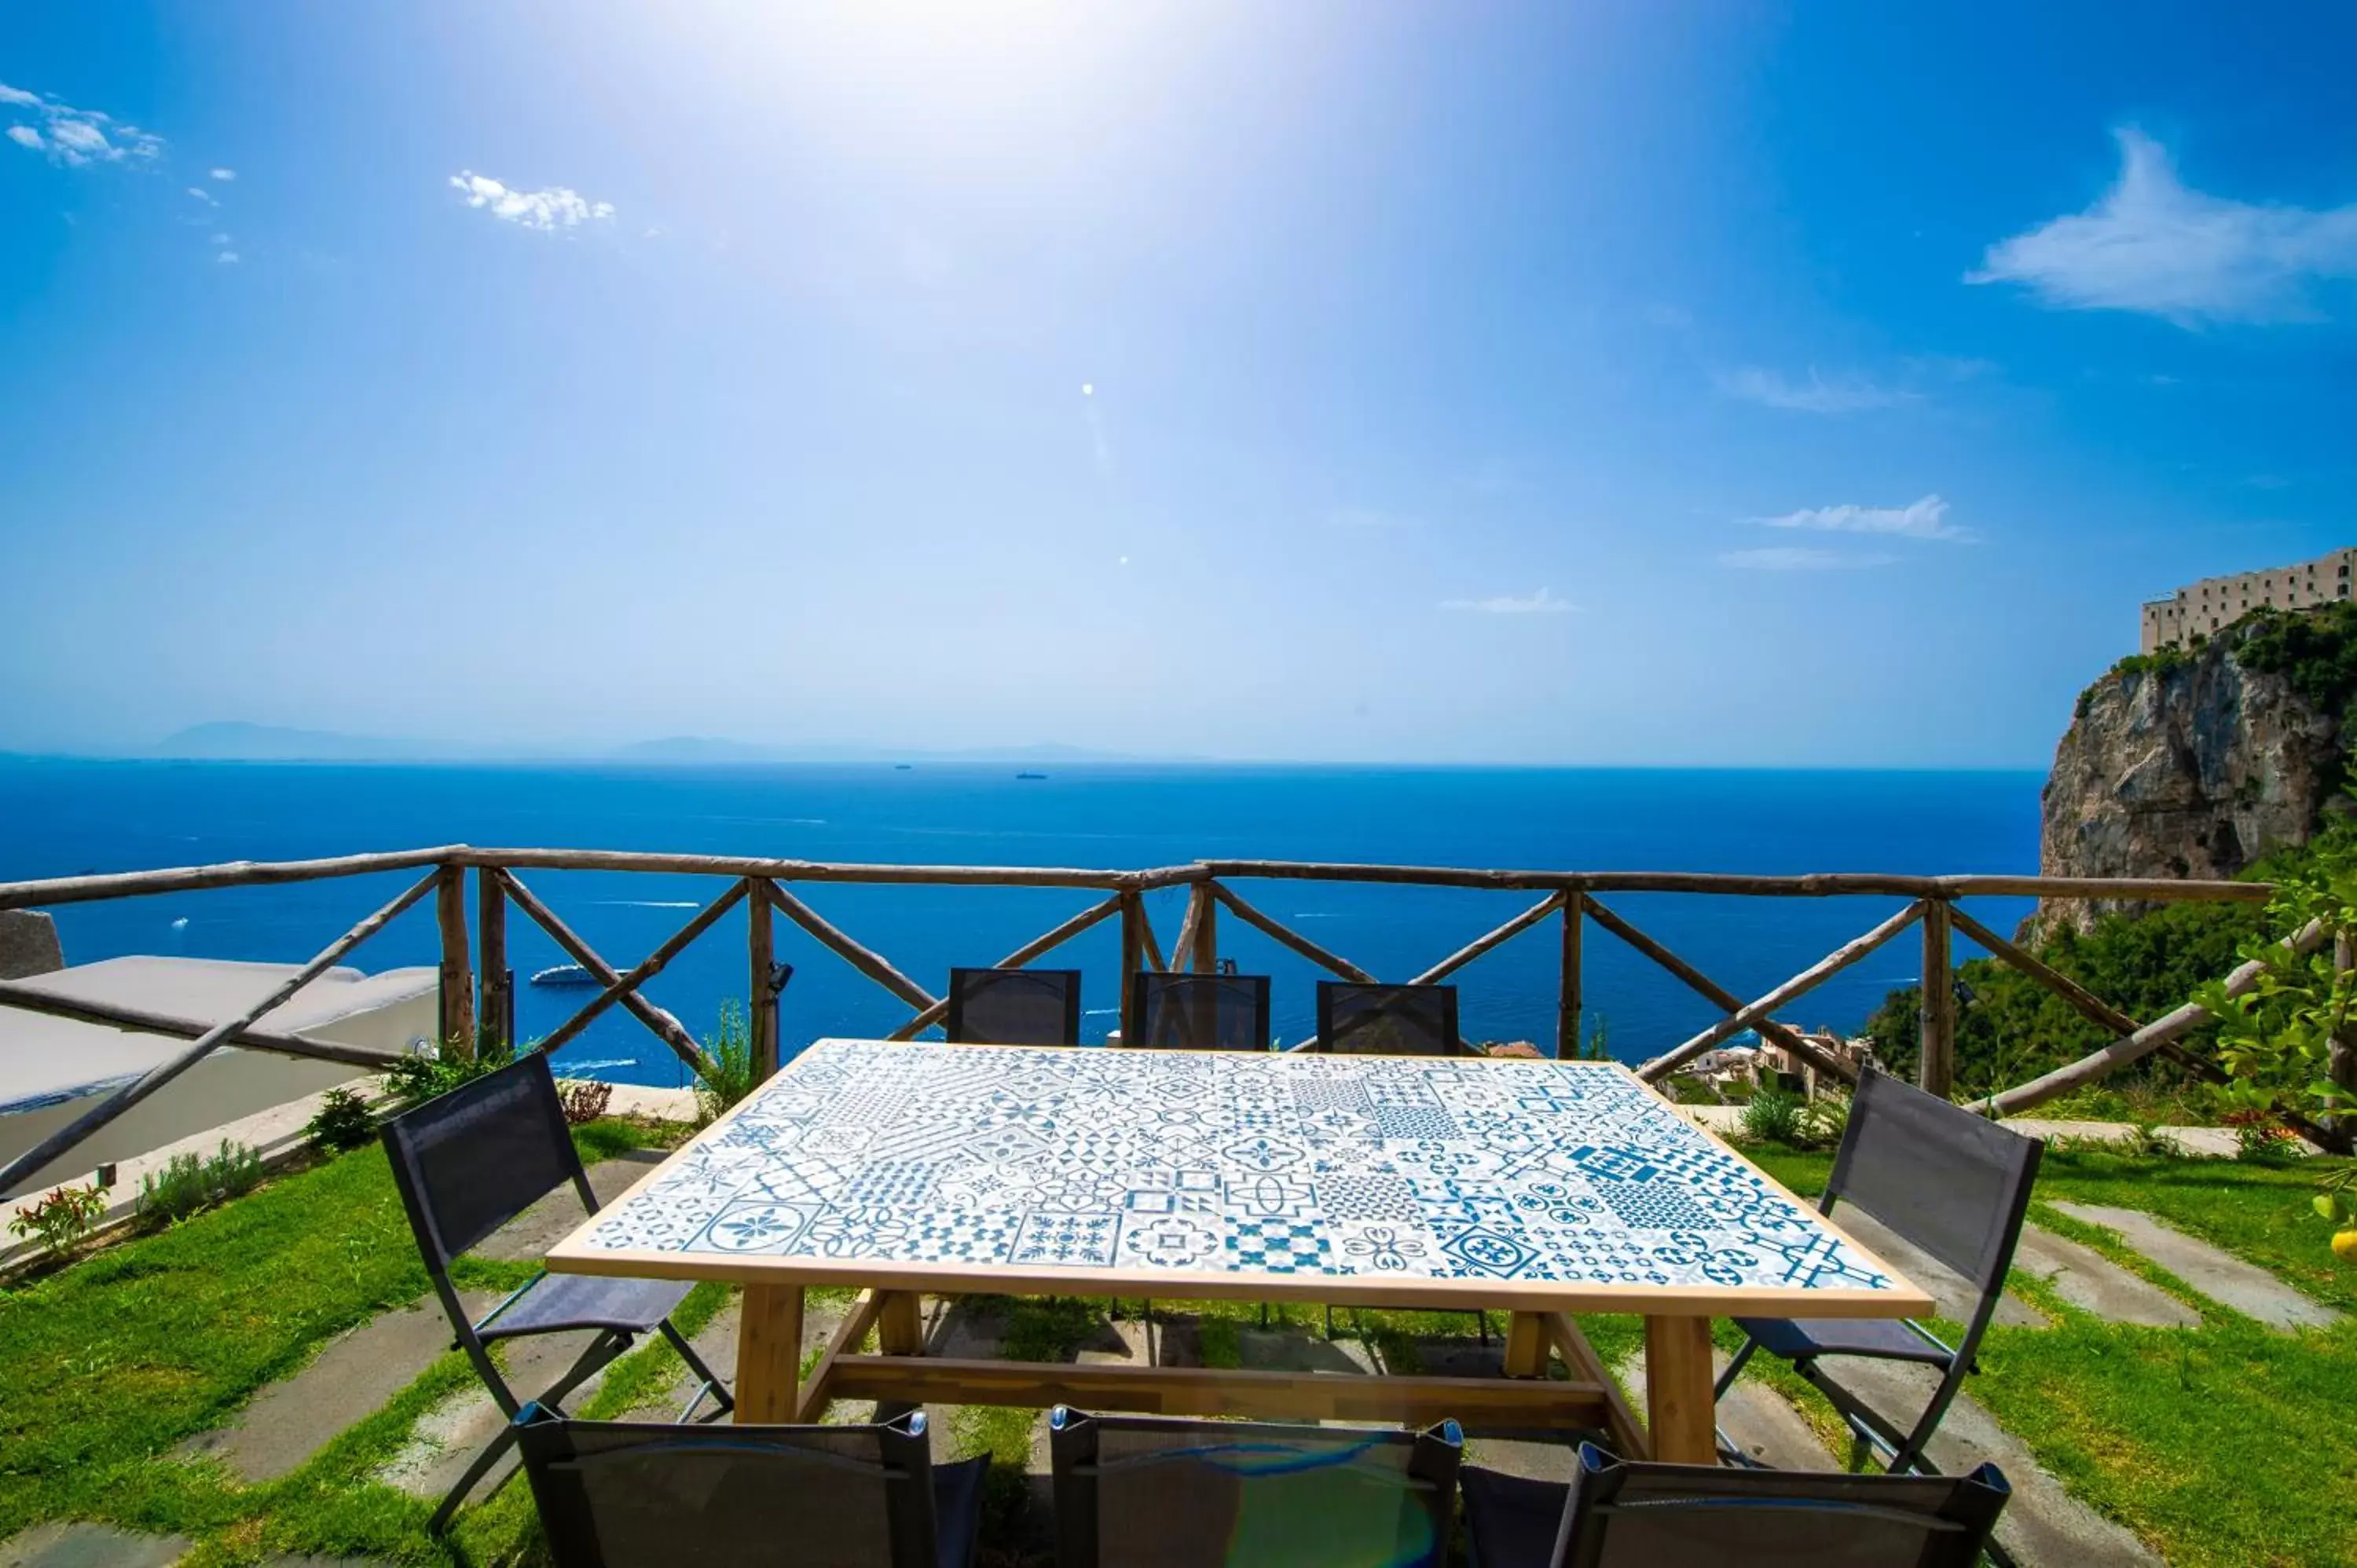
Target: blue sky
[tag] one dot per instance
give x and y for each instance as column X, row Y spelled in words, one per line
column 1611, row 383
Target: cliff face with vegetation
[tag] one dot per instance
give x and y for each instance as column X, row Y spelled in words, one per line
column 2198, row 764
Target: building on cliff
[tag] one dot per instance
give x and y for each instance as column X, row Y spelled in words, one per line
column 2175, row 620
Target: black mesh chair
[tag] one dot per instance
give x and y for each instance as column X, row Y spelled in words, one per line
column 467, row 1162
column 1387, row 1020
column 1015, row 1006
column 1943, row 1179
column 1200, row 1012
column 1162, row 1492
column 1619, row 1515
column 643, row 1495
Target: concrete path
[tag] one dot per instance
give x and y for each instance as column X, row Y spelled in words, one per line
column 85, row 1545
column 2223, row 1277
column 2211, row 1142
column 2093, row 1284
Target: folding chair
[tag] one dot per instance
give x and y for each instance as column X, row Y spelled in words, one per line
column 1387, row 1020
column 1620, row 1515
column 1015, row 1006
column 1166, row 1492
column 644, row 1495
column 466, row 1164
column 1200, row 1012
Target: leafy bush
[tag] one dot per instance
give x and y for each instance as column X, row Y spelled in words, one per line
column 725, row 1074
column 585, row 1101
column 64, row 1220
column 344, row 1121
column 1773, row 1116
column 188, row 1185
column 1821, row 1121
column 414, row 1081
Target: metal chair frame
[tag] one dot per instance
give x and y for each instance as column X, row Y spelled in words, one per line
column 1150, row 991
column 545, row 1115
column 1329, row 992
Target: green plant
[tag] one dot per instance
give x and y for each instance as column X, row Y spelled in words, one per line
column 1821, row 1121
column 1597, row 1046
column 724, row 1076
column 414, row 1080
column 343, row 1122
column 585, row 1101
column 189, row 1184
column 63, row 1219
column 1773, row 1116
column 2335, row 1199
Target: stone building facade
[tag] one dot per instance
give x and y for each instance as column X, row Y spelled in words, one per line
column 2213, row 603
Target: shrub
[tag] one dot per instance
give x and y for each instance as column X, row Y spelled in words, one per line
column 344, row 1121
column 1821, row 1121
column 585, row 1101
column 62, row 1221
column 1773, row 1116
column 188, row 1185
column 724, row 1076
column 414, row 1081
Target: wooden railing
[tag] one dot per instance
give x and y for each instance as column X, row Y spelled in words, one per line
column 1571, row 901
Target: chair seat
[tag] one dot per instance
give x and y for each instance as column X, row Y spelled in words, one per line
column 558, row 1302
column 1513, row 1520
column 957, row 1509
column 1880, row 1339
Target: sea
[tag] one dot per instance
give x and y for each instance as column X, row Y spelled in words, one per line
column 63, row 818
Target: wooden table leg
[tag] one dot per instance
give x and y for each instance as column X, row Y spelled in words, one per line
column 1680, row 1413
column 768, row 1353
column 901, row 1325
column 1526, row 1345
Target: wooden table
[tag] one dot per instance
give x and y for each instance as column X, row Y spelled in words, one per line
column 1536, row 1188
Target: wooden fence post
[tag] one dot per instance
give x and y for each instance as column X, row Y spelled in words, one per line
column 1937, row 1070
column 1206, row 960
column 494, row 987
column 458, row 975
column 1569, row 1001
column 761, row 993
column 1133, row 952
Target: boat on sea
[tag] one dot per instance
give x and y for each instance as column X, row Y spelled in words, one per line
column 564, row 974
column 1030, row 776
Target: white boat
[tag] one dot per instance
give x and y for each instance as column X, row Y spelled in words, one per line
column 564, row 974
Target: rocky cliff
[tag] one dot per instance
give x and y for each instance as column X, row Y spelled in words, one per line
column 2196, row 765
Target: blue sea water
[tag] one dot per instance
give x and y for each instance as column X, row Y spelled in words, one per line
column 63, row 818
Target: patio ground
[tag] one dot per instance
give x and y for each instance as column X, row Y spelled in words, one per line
column 268, row 1383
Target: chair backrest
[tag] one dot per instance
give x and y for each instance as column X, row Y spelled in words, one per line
column 1015, row 1006
column 1949, row 1181
column 1703, row 1516
column 1164, row 1492
column 653, row 1495
column 469, row 1161
column 1200, row 1012
column 1387, row 1020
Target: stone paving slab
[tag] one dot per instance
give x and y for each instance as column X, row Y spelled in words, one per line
column 528, row 1237
column 352, row 1377
column 2220, row 1276
column 2093, row 1284
column 447, row 1437
column 1758, row 1420
column 83, row 1544
column 2043, row 1526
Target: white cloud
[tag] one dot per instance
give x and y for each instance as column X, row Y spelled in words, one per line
column 201, row 194
column 1925, row 518
column 76, row 136
column 554, row 208
column 1801, row 558
column 227, row 258
column 2153, row 246
column 1842, row 394
column 224, row 174
column 1543, row 602
column 221, row 239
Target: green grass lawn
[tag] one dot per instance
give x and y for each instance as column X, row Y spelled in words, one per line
column 2222, row 1445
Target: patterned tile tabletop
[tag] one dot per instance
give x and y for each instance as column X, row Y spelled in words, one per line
column 1162, row 1167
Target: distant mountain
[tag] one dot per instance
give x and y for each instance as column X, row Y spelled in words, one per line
column 234, row 741
column 231, row 741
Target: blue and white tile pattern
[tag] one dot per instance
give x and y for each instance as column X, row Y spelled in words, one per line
column 1230, row 1163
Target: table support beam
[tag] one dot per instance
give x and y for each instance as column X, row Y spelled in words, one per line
column 768, row 1354
column 1679, row 1405
column 900, row 1326
column 1526, row 1345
